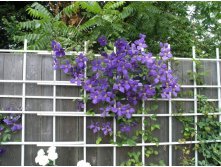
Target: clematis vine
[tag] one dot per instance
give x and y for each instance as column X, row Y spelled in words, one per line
column 121, row 79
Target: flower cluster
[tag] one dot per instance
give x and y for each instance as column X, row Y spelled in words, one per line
column 133, row 74
column 165, row 51
column 123, row 110
column 9, row 124
column 119, row 80
column 43, row 159
column 75, row 70
column 104, row 127
column 11, row 121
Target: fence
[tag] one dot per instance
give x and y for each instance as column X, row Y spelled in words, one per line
column 50, row 116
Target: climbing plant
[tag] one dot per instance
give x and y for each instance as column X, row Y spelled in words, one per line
column 119, row 81
column 208, row 126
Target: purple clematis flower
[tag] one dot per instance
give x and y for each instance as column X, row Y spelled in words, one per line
column 102, row 40
column 89, row 85
column 58, row 50
column 118, row 86
column 95, row 127
column 97, row 65
column 16, row 127
column 128, row 111
column 147, row 58
column 121, row 45
column 80, row 60
column 105, row 111
column 107, row 96
column 66, row 67
column 106, row 128
column 96, row 97
column 76, row 80
column 123, row 110
column 118, row 109
column 141, row 42
column 7, row 121
column 165, row 94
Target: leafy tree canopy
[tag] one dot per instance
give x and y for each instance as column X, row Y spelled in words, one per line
column 182, row 24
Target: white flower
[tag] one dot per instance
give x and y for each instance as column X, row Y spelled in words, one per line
column 52, row 156
column 39, row 155
column 83, row 163
column 37, row 159
column 41, row 152
column 43, row 160
column 51, row 149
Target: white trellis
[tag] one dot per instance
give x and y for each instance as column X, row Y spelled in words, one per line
column 83, row 114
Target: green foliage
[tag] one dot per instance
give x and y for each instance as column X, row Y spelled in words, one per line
column 206, row 20
column 186, row 159
column 151, row 151
column 11, row 14
column 43, row 26
column 150, row 126
column 124, row 139
column 182, row 24
column 127, row 138
column 46, row 27
column 134, row 159
column 38, row 11
column 209, row 128
column 161, row 163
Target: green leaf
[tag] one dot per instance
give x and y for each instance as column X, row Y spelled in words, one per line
column 153, row 117
column 6, row 137
column 131, row 142
column 98, row 141
column 90, row 112
column 155, row 126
